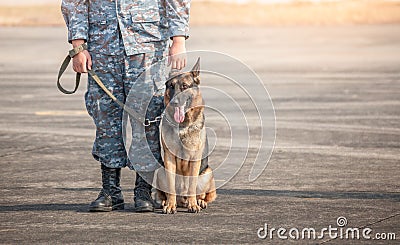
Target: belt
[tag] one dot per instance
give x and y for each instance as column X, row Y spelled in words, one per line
column 64, row 65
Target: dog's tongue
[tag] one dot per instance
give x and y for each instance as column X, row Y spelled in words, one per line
column 179, row 114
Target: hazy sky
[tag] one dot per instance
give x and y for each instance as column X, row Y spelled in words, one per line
column 30, row 2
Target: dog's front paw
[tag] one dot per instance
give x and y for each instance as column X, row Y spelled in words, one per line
column 202, row 203
column 169, row 209
column 193, row 208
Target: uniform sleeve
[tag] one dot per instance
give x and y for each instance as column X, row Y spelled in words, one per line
column 178, row 17
column 75, row 13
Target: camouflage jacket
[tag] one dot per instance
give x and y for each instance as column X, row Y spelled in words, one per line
column 140, row 23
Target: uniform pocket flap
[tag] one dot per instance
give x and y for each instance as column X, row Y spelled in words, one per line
column 151, row 14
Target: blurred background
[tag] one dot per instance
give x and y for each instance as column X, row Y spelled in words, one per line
column 232, row 12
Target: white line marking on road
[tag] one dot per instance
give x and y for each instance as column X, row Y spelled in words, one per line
column 60, row 113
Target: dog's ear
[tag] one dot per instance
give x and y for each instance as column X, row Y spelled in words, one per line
column 196, row 69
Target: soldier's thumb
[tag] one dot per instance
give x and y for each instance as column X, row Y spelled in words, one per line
column 89, row 63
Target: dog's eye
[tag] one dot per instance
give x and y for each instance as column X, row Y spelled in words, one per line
column 185, row 86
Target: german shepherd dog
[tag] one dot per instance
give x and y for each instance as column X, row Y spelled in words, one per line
column 187, row 180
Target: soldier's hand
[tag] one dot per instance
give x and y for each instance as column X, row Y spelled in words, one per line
column 177, row 53
column 82, row 62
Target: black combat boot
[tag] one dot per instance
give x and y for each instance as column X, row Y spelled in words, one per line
column 110, row 197
column 142, row 192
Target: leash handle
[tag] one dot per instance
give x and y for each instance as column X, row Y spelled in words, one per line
column 60, row 73
column 64, row 66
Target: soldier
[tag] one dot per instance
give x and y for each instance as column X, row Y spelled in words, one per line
column 124, row 38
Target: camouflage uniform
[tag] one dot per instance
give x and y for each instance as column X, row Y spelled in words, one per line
column 125, row 37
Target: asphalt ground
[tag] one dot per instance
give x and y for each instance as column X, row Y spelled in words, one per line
column 336, row 94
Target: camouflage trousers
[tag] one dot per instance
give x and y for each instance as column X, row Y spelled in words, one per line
column 137, row 81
